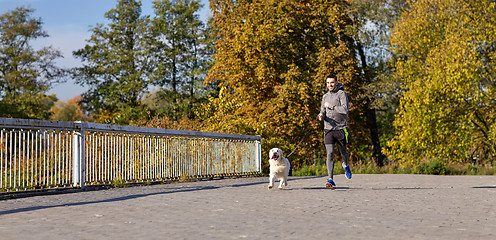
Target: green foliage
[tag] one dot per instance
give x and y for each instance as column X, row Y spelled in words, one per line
column 27, row 105
column 433, row 167
column 311, row 170
column 118, row 183
column 123, row 115
column 180, row 55
column 439, row 167
column 26, row 74
column 372, row 23
column 125, row 58
column 446, row 59
column 116, row 64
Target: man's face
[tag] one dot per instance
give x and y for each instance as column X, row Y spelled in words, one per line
column 331, row 83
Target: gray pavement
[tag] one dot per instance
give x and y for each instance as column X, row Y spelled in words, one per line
column 365, row 207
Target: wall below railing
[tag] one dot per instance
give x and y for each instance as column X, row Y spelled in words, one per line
column 38, row 154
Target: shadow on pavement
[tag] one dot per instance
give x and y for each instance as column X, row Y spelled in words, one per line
column 167, row 190
column 404, row 188
column 314, row 188
column 128, row 197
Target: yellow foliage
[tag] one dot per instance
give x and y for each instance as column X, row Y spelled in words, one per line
column 271, row 61
column 445, row 52
column 69, row 110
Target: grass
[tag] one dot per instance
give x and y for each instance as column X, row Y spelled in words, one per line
column 185, row 178
column 433, row 167
column 118, row 183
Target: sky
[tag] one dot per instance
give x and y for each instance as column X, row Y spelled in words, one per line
column 68, row 22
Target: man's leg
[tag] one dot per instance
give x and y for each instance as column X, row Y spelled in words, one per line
column 330, row 160
column 344, row 156
column 344, row 153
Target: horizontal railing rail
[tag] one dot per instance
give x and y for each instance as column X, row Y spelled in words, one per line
column 39, row 154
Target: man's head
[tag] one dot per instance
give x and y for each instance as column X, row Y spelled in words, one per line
column 331, row 81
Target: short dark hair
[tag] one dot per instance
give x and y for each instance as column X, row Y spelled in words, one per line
column 332, row 76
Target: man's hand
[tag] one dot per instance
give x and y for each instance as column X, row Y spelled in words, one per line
column 319, row 117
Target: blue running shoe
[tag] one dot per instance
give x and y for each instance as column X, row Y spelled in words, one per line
column 347, row 171
column 330, row 184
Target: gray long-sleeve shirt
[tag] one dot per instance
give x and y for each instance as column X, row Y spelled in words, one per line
column 335, row 116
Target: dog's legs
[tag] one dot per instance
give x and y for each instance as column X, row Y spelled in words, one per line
column 271, row 181
column 281, row 182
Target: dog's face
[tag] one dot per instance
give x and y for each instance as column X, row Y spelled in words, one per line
column 275, row 154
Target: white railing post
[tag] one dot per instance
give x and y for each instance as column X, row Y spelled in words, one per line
column 259, row 156
column 78, row 159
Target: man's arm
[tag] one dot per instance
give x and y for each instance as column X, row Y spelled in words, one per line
column 322, row 109
column 343, row 108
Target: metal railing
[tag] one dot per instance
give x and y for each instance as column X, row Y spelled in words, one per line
column 38, row 154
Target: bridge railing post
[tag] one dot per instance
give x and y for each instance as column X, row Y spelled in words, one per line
column 78, row 156
column 259, row 156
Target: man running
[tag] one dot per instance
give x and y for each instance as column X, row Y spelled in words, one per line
column 334, row 112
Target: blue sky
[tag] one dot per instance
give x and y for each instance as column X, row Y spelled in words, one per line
column 68, row 23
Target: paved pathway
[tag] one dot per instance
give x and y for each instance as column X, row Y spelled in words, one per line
column 366, row 207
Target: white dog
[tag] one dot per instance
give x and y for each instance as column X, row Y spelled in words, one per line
column 279, row 168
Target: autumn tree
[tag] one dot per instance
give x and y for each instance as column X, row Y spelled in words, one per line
column 69, row 110
column 271, row 61
column 26, row 74
column 116, row 65
column 446, row 59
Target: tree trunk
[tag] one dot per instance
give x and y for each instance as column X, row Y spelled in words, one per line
column 377, row 154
